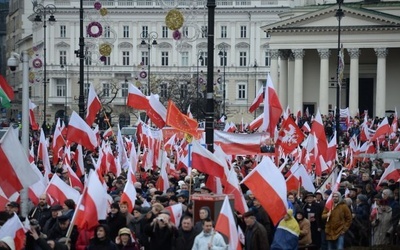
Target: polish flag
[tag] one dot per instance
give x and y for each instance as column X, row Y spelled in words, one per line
column 222, row 119
column 16, row 172
column 256, row 123
column 238, row 144
column 14, row 229
column 122, row 155
column 60, row 191
column 58, row 141
column 162, row 183
column 32, row 120
column 73, row 178
column 231, row 186
column 391, row 172
column 306, row 128
column 170, row 143
column 3, row 199
column 157, row 112
column 133, row 162
column 176, row 212
column 374, row 211
column 269, row 187
column 395, row 125
column 93, row 105
column 43, row 153
column 335, row 188
column 31, row 156
column 226, row 226
column 206, row 162
column 383, row 129
column 257, row 100
column 331, row 152
column 78, row 158
column 129, row 195
column 317, row 128
column 108, row 133
column 136, row 99
column 93, row 204
column 298, row 176
column 36, row 190
column 272, row 108
column 81, row 133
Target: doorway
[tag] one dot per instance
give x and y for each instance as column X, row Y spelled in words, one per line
column 366, row 95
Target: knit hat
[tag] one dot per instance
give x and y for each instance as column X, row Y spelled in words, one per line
column 362, row 197
column 124, row 230
column 9, row 241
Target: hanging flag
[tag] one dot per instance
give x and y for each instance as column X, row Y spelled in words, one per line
column 32, row 120
column 226, row 226
column 272, row 108
column 6, row 93
column 93, row 105
column 257, row 100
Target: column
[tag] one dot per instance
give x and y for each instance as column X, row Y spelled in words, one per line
column 380, row 100
column 324, row 81
column 354, row 55
column 283, row 78
column 291, row 82
column 274, row 54
column 298, row 79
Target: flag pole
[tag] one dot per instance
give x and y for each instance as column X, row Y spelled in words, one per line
column 71, row 225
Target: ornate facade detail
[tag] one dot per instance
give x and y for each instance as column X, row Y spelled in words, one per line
column 284, row 54
column 354, row 53
column 164, row 45
column 242, row 45
column 274, row 53
column 324, row 53
column 62, row 45
column 298, row 53
column 125, row 45
column 381, row 52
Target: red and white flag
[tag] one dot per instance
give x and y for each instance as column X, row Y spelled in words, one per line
column 78, row 158
column 298, row 176
column 58, row 141
column 256, row 123
column 238, row 144
column 391, row 172
column 122, row 155
column 81, row 133
column 129, row 195
column 32, row 120
column 269, row 187
column 93, row 106
column 226, row 226
column 306, row 128
column 231, row 186
column 289, row 136
column 383, row 129
column 206, row 162
column 157, row 112
column 335, row 188
column 16, row 172
column 395, row 125
column 257, row 100
column 60, row 191
column 14, row 229
column 272, row 108
column 136, row 99
column 176, row 212
column 108, row 133
column 317, row 128
column 43, row 153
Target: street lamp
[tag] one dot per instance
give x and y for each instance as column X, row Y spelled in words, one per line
column 199, row 59
column 65, row 92
column 255, row 85
column 151, row 41
column 42, row 11
column 339, row 15
column 222, row 54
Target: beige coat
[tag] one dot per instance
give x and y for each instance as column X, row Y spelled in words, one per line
column 305, row 232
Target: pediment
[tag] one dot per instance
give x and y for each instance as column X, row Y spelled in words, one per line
column 62, row 45
column 164, row 45
column 324, row 19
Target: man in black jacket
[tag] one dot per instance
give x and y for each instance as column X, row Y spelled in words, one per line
column 186, row 234
column 256, row 237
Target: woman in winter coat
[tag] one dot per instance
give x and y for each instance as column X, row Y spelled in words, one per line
column 381, row 223
column 125, row 241
column 101, row 239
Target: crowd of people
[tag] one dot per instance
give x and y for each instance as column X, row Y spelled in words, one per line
column 362, row 213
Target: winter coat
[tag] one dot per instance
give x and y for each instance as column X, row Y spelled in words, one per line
column 380, row 226
column 256, row 237
column 339, row 221
column 305, row 232
column 102, row 244
column 185, row 240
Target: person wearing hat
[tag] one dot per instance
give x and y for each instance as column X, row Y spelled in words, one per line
column 101, row 239
column 161, row 232
column 136, row 225
column 256, row 236
column 56, row 211
column 312, row 211
column 60, row 230
column 381, row 222
column 115, row 220
column 125, row 241
column 13, row 207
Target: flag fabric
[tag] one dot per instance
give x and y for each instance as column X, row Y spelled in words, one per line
column 383, row 129
column 239, row 144
column 269, row 187
column 78, row 158
column 14, row 229
column 60, row 191
column 272, row 108
column 289, row 136
column 206, row 162
column 298, row 176
column 80, row 132
column 6, row 93
column 58, row 141
column 43, row 153
column 391, row 172
column 129, row 195
column 335, row 188
column 108, row 133
column 189, row 113
column 231, row 186
column 32, row 120
column 122, row 155
column 176, row 213
column 136, row 99
column 256, row 123
column 180, row 121
column 15, row 167
column 157, row 112
column 257, row 100
column 93, row 105
column 226, row 226
column 318, row 129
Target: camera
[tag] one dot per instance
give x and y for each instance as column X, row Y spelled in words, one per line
column 160, row 219
column 13, row 62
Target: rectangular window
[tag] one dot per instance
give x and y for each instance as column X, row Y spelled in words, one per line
column 203, row 62
column 107, row 61
column 106, row 89
column 164, row 58
column 164, row 32
column 145, row 58
column 164, row 90
column 224, row 31
column 126, row 31
column 63, row 31
column 125, row 58
column 204, row 31
column 185, row 58
column 107, row 31
column 243, row 31
column 267, row 59
column 183, row 90
column 241, row 91
column 63, row 57
column 61, row 87
column 223, row 59
column 145, row 31
column 243, row 58
column 124, row 89
column 88, row 57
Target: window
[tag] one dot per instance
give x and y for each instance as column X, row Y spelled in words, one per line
column 63, row 57
column 107, row 61
column 107, row 32
column 145, row 31
column 145, row 57
column 203, row 62
column 164, row 32
column 224, row 31
column 204, row 31
column 106, row 89
column 164, row 90
column 243, row 30
column 241, row 91
column 223, row 59
column 126, row 31
column 164, row 58
column 183, row 90
column 124, row 89
column 267, row 59
column 88, row 57
column 86, row 89
column 125, row 58
column 185, row 31
column 63, row 31
column 61, row 87
column 243, row 58
column 185, row 58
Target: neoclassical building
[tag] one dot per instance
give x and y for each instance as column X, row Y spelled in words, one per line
column 304, row 57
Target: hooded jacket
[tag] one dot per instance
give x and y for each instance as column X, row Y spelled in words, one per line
column 102, row 244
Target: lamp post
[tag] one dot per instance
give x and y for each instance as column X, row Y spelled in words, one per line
column 65, row 92
column 151, row 41
column 42, row 11
column 339, row 15
column 222, row 54
column 199, row 59
column 255, row 85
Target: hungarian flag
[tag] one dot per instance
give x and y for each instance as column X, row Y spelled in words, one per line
column 32, row 120
column 15, row 231
column 257, row 100
column 80, row 132
column 290, row 136
column 136, row 99
column 272, row 108
column 226, row 226
column 93, row 106
column 180, row 121
column 6, row 93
